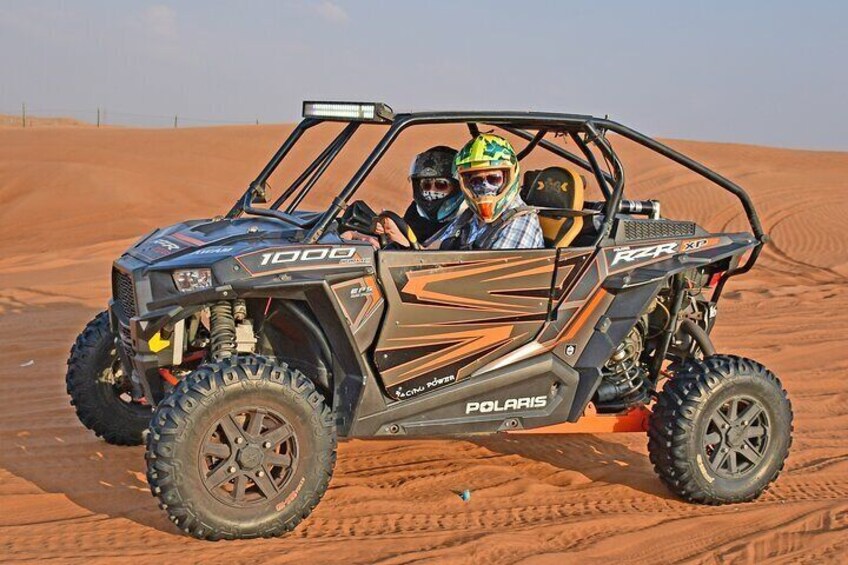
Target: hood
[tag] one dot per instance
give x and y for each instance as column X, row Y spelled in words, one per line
column 211, row 237
column 236, row 250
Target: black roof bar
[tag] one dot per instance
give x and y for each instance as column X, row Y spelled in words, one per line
column 337, row 146
column 514, row 122
column 531, row 145
column 309, row 170
column 692, row 165
column 259, row 182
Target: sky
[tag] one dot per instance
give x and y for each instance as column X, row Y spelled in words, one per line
column 764, row 72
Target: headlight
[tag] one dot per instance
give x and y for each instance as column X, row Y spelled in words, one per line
column 189, row 280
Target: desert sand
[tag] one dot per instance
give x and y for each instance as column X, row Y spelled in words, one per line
column 74, row 197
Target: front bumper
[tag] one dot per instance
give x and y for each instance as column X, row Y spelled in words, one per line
column 143, row 366
column 135, row 326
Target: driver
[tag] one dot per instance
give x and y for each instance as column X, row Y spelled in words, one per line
column 497, row 217
column 436, row 197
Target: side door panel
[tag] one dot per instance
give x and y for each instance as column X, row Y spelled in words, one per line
column 452, row 312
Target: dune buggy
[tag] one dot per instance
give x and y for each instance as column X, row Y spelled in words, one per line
column 261, row 337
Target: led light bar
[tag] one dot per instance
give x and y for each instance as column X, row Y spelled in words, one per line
column 348, row 111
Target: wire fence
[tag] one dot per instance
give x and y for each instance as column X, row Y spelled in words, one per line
column 27, row 116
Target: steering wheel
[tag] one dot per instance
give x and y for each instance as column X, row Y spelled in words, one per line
column 361, row 218
column 358, row 217
column 402, row 226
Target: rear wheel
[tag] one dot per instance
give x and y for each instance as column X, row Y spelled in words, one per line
column 721, row 430
column 99, row 388
column 243, row 448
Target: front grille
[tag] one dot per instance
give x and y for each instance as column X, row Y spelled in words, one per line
column 126, row 339
column 656, row 229
column 124, row 293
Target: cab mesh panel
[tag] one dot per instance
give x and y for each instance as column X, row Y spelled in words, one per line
column 656, row 229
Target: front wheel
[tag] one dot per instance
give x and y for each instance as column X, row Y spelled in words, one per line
column 721, row 430
column 100, row 389
column 243, row 448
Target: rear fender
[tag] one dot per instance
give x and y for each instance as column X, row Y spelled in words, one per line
column 609, row 330
column 665, row 259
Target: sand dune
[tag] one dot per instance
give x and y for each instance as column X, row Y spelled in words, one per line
column 74, row 198
column 16, row 121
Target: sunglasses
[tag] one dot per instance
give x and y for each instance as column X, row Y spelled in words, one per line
column 481, row 180
column 434, row 184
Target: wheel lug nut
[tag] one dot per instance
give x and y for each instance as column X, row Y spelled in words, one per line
column 239, row 441
column 260, row 474
column 231, row 469
column 744, row 422
column 266, row 445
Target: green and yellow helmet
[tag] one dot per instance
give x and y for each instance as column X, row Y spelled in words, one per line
column 487, row 152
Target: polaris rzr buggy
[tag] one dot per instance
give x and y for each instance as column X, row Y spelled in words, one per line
column 240, row 348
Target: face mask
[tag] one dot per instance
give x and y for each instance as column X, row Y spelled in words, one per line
column 431, row 195
column 485, row 188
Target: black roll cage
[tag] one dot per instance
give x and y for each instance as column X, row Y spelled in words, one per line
column 584, row 130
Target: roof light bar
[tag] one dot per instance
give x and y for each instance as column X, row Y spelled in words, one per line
column 348, row 111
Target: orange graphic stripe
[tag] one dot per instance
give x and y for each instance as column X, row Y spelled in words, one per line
column 418, row 281
column 581, row 318
column 463, row 344
column 545, row 267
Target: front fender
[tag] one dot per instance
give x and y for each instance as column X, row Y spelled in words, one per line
column 354, row 380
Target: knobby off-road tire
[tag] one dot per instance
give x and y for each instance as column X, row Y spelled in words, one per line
column 99, row 391
column 244, row 448
column 721, row 430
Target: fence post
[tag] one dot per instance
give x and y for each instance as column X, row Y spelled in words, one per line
column 23, row 114
column 98, row 117
column 175, row 122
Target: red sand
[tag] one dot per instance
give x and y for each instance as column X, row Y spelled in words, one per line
column 74, row 198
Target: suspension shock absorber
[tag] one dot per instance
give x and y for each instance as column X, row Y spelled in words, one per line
column 222, row 330
column 623, row 383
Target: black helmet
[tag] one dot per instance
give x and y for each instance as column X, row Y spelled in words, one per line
column 435, row 163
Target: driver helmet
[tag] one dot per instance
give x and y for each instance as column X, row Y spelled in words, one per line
column 488, row 174
column 434, row 188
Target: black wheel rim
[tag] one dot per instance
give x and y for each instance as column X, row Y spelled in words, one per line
column 248, row 457
column 737, row 437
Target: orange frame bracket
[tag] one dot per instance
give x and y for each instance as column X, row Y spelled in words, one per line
column 633, row 420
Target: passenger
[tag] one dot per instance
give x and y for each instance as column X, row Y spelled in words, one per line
column 496, row 218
